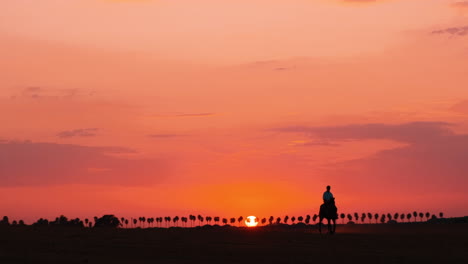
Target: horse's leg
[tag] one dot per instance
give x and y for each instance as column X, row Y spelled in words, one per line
column 333, row 226
column 320, row 224
column 329, row 225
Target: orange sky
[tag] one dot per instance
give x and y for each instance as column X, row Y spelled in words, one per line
column 232, row 107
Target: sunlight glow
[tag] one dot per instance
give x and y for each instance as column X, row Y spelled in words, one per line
column 251, row 221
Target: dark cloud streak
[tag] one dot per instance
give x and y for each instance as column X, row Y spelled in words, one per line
column 33, row 164
column 83, row 132
column 409, row 133
column 454, row 31
column 433, row 159
column 165, row 135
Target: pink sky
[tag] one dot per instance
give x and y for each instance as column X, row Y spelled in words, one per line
column 232, row 107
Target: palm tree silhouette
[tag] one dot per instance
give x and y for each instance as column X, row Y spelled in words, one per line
column 408, row 216
column 208, row 219
column 356, row 216
column 350, row 217
column 342, row 216
column 415, row 214
column 270, row 220
column 175, row 220
column 232, row 221
column 402, row 216
column 286, row 219
column 200, row 219
column 314, row 218
column 192, row 219
column 427, row 216
column 239, row 220
column 263, row 221
column 293, row 219
column 216, row 220
column 376, row 217
column 134, row 222
column 278, row 220
column 300, row 219
column 307, row 220
column 369, row 215
column 363, row 217
column 126, row 223
column 396, row 216
column 225, row 221
column 441, row 215
column 421, row 215
column 382, row 218
column 389, row 216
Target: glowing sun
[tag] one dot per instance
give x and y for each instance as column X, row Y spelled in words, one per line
column 251, row 221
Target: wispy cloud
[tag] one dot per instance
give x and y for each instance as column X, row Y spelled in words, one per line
column 194, row 114
column 461, row 107
column 454, row 31
column 414, row 132
column 205, row 114
column 126, row 1
column 165, row 135
column 461, row 4
column 360, row 1
column 38, row 92
column 82, row 132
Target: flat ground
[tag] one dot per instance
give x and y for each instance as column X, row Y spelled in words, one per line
column 398, row 243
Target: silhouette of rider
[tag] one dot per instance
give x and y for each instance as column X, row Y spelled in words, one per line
column 327, row 196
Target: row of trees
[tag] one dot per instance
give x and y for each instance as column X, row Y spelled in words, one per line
column 200, row 220
column 383, row 218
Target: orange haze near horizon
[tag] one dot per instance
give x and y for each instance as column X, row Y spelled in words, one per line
column 232, row 107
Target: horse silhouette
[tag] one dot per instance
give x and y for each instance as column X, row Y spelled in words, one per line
column 330, row 212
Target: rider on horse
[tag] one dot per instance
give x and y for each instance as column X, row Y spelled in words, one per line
column 328, row 210
column 327, row 196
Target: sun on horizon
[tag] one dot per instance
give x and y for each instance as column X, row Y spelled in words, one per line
column 251, row 221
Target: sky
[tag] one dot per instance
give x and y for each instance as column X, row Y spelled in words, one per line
column 232, row 107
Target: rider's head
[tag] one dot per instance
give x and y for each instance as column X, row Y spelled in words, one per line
column 328, row 188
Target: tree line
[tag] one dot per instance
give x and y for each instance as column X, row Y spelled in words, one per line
column 199, row 220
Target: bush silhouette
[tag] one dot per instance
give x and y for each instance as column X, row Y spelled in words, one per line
column 107, row 221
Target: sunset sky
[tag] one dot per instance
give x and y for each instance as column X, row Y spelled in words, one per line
column 232, row 107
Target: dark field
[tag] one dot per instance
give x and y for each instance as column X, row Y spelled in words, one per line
column 399, row 243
